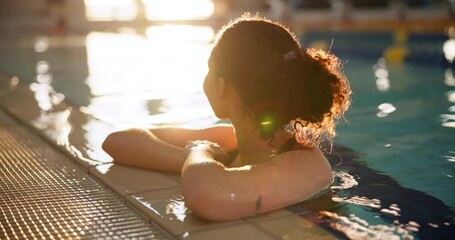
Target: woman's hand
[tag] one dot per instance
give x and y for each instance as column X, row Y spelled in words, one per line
column 211, row 148
column 162, row 149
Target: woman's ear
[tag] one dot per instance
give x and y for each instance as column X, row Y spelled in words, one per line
column 219, row 98
column 222, row 88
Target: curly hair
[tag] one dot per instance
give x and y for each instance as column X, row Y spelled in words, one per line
column 282, row 84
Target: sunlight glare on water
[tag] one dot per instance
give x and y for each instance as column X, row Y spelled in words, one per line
column 128, row 10
column 168, row 61
column 176, row 209
column 115, row 60
column 162, row 61
column 178, row 9
column 178, row 34
column 449, row 45
column 449, row 78
column 357, row 228
column 110, row 10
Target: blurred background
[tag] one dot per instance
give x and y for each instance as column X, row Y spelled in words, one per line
column 142, row 62
column 80, row 15
column 77, row 70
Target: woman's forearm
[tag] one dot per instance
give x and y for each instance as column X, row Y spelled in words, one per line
column 140, row 148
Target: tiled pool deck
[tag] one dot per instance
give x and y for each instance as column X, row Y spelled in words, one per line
column 62, row 135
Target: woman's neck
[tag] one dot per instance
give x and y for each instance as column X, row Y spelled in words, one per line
column 252, row 148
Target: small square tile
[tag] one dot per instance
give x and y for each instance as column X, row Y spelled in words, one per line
column 126, row 180
column 293, row 227
column 167, row 208
column 242, row 231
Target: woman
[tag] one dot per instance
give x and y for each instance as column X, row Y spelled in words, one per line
column 283, row 102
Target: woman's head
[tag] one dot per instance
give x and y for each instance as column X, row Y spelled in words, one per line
column 278, row 81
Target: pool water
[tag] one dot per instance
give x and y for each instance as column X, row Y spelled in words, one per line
column 394, row 156
column 411, row 123
column 398, row 145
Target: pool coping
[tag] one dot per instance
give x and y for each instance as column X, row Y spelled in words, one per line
column 155, row 195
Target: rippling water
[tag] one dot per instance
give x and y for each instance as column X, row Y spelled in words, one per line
column 393, row 157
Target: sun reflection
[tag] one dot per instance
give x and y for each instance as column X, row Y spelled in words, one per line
column 169, row 62
column 449, row 50
column 449, row 45
column 115, row 61
column 451, row 96
column 451, row 157
column 175, row 209
column 346, row 181
column 13, row 81
column 47, row 98
column 363, row 201
column 95, row 133
column 382, row 75
column 448, row 120
column 357, row 228
column 42, row 67
column 110, row 10
column 164, row 10
column 180, row 33
column 448, row 124
column 41, row 44
column 192, row 111
column 178, row 9
column 172, row 58
column 56, row 126
column 385, row 109
column 449, row 78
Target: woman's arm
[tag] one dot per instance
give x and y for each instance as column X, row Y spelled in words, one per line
column 141, row 148
column 223, row 135
column 162, row 149
column 216, row 192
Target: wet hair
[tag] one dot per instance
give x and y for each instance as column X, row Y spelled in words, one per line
column 282, row 84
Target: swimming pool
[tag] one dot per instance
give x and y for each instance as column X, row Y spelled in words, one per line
column 393, row 156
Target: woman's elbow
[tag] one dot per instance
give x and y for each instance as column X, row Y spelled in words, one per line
column 108, row 142
column 326, row 174
column 207, row 207
column 205, row 200
column 113, row 144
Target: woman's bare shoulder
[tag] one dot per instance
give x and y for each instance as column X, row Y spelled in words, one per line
column 302, row 155
column 307, row 165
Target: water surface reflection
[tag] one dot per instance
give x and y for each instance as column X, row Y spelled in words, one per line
column 366, row 204
column 133, row 76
